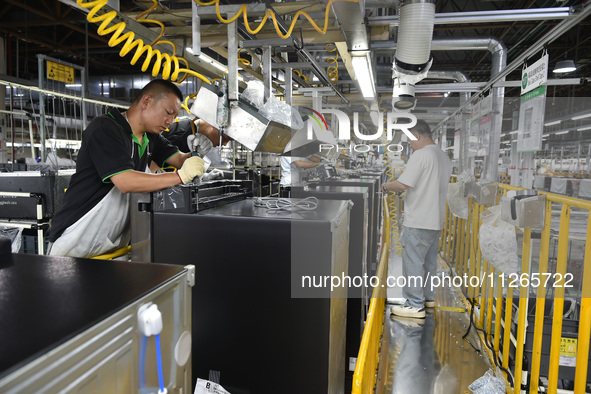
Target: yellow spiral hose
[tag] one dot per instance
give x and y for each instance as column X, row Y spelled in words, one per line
column 164, row 63
column 392, row 199
column 333, row 69
column 242, row 11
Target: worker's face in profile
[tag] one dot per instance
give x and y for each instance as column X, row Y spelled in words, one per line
column 160, row 112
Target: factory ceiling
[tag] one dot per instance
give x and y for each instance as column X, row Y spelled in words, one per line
column 59, row 28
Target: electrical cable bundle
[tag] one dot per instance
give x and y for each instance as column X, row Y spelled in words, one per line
column 286, row 204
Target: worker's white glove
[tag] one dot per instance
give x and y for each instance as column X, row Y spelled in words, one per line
column 213, row 174
column 199, row 143
column 192, row 167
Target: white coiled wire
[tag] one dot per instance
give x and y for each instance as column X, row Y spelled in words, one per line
column 278, row 204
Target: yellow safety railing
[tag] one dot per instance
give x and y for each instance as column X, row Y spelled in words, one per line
column 364, row 377
column 460, row 248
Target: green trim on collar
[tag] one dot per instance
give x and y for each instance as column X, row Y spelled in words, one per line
column 142, row 147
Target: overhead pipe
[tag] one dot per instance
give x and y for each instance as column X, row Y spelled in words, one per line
column 532, row 14
column 499, row 62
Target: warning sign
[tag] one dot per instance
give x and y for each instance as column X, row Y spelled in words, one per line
column 60, row 72
column 568, row 352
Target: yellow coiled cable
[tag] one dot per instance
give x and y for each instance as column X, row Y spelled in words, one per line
column 168, row 65
column 243, row 11
column 392, row 199
column 333, row 69
column 242, row 60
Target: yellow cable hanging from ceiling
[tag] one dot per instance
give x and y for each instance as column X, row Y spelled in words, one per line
column 392, row 199
column 333, row 69
column 243, row 11
column 168, row 65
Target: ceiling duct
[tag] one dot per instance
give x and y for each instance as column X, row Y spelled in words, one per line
column 413, row 50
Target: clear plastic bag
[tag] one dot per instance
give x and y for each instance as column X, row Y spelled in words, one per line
column 254, row 94
column 498, row 242
column 273, row 109
column 488, row 384
column 280, row 112
column 15, row 236
column 458, row 204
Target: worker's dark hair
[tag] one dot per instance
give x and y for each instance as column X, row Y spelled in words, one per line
column 422, row 129
column 157, row 87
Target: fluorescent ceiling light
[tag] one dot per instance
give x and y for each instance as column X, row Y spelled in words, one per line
column 364, row 75
column 209, row 60
column 581, row 116
column 514, row 132
column 564, row 66
column 562, row 132
column 73, row 85
column 553, row 123
column 584, row 128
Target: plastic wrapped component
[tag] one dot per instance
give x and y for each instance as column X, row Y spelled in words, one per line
column 172, row 198
column 222, row 110
column 273, row 109
column 458, row 204
column 254, row 94
column 488, row 384
column 498, row 242
column 15, row 236
column 280, row 112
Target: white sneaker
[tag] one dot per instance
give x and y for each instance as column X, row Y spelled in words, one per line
column 401, row 301
column 408, row 311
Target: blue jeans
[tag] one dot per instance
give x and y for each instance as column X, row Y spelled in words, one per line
column 419, row 260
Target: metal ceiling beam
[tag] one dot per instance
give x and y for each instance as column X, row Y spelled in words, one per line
column 307, row 57
column 560, row 29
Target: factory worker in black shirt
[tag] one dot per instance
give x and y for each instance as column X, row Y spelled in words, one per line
column 114, row 158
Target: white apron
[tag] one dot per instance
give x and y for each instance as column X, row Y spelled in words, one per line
column 102, row 229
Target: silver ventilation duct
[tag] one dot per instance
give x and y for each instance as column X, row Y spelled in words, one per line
column 413, row 50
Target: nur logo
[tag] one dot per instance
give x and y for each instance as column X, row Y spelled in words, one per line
column 344, row 124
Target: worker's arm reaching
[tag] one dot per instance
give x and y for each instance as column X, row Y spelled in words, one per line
column 394, row 187
column 305, row 164
column 143, row 182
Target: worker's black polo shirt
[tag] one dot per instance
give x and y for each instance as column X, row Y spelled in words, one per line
column 108, row 148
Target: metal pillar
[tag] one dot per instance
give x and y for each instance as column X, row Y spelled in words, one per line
column 196, row 29
column 3, row 123
column 41, row 67
column 288, row 85
column 232, row 62
column 267, row 72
